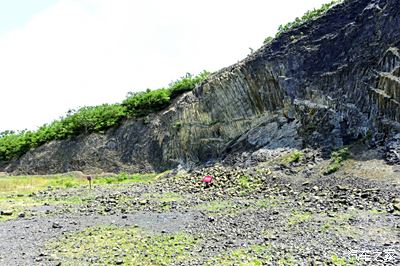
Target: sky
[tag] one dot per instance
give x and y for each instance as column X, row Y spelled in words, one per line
column 57, row 55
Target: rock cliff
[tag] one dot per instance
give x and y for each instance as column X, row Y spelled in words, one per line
column 327, row 83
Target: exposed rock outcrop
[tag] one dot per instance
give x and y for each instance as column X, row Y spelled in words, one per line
column 327, row 83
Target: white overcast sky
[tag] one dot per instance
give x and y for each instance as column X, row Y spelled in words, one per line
column 57, row 55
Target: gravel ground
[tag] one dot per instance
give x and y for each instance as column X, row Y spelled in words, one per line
column 302, row 216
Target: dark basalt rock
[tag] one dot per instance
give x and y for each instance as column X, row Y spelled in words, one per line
column 327, row 83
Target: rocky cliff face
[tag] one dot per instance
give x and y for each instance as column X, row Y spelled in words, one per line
column 325, row 84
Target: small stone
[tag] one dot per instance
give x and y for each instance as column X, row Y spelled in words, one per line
column 119, row 262
column 396, row 206
column 143, row 202
column 315, row 188
column 343, row 188
column 396, row 200
column 7, row 212
column 21, row 215
column 56, row 225
column 211, row 219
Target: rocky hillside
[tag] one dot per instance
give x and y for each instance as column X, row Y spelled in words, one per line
column 328, row 83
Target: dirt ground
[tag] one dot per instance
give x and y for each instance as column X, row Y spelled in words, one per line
column 261, row 210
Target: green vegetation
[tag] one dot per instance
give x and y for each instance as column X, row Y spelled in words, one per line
column 218, row 206
column 126, row 178
column 221, row 207
column 247, row 184
column 139, row 104
column 28, row 184
column 309, row 15
column 292, row 157
column 269, row 202
column 297, row 217
column 268, row 40
column 339, row 261
column 177, row 125
column 129, row 246
column 254, row 255
column 96, row 118
column 17, row 193
column 186, row 83
column 163, row 197
column 337, row 158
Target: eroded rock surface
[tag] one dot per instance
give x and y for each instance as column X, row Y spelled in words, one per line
column 327, row 83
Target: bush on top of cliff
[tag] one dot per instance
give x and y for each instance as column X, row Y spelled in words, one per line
column 309, row 15
column 139, row 104
column 142, row 103
column 95, row 118
column 186, row 83
column 84, row 120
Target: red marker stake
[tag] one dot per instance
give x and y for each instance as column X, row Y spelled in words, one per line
column 207, row 180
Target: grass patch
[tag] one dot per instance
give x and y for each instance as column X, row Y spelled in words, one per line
column 218, row 206
column 268, row 203
column 340, row 261
column 376, row 212
column 163, row 197
column 233, row 207
column 254, row 255
column 337, row 158
column 308, row 16
column 19, row 193
column 16, row 206
column 22, row 184
column 27, row 184
column 126, row 178
column 23, row 203
column 292, row 157
column 247, row 184
column 109, row 245
column 297, row 217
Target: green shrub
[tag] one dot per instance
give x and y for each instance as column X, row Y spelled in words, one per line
column 292, row 157
column 337, row 158
column 68, row 184
column 84, row 120
column 139, row 104
column 268, row 40
column 309, row 15
column 122, row 176
column 90, row 119
column 186, row 83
